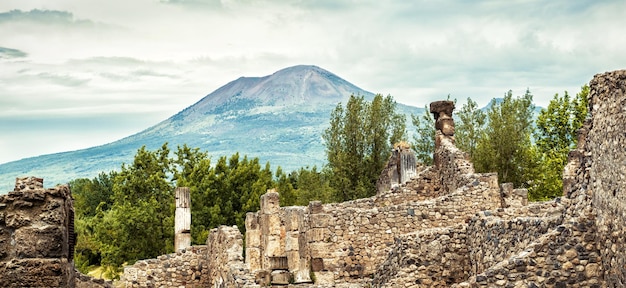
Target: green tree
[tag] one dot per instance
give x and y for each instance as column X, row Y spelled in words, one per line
column 358, row 143
column 89, row 194
column 424, row 138
column 140, row 223
column 312, row 185
column 555, row 136
column 505, row 146
column 469, row 127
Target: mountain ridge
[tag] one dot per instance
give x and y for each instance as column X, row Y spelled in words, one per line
column 278, row 118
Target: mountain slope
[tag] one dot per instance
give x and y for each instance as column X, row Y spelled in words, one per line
column 278, row 118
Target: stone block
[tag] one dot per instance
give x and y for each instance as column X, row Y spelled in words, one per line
column 270, row 203
column 252, row 221
column 253, row 238
column 293, row 260
column 324, row 278
column 301, row 276
column 292, row 242
column 43, row 242
column 281, row 277
column 294, row 218
column 316, row 207
column 270, row 224
column 273, row 246
column 278, row 263
column 317, row 264
column 321, row 220
column 318, row 235
column 321, row 249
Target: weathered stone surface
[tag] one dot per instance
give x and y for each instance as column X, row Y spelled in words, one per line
column 281, row 277
column 36, row 236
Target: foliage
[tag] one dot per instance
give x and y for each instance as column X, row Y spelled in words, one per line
column 505, row 146
column 555, row 136
column 469, row 127
column 424, row 139
column 129, row 215
column 358, row 144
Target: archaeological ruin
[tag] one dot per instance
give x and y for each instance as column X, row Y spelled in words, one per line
column 438, row 226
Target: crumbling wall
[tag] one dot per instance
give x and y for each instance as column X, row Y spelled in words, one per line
column 36, row 236
column 606, row 142
column 343, row 242
column 86, row 281
column 401, row 167
column 564, row 257
column 187, row 267
column 494, row 236
column 436, row 257
column 225, row 259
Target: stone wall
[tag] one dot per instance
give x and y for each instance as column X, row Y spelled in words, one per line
column 187, row 267
column 344, row 242
column 86, row 281
column 496, row 236
column 36, row 236
column 436, row 257
column 606, row 142
column 225, row 259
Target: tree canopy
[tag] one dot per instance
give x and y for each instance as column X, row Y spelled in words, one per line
column 358, row 144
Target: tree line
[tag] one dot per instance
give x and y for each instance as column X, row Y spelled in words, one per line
column 126, row 215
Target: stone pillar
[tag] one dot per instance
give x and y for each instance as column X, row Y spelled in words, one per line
column 273, row 236
column 253, row 242
column 296, row 244
column 444, row 124
column 182, row 226
column 408, row 165
column 36, row 236
column 401, row 167
column 320, row 249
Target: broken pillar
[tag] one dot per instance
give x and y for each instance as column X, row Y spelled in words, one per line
column 444, row 125
column 182, row 226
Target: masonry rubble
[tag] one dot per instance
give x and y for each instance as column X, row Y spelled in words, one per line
column 437, row 226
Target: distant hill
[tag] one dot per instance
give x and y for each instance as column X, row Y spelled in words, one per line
column 278, row 118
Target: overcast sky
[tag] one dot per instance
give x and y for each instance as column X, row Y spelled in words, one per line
column 80, row 73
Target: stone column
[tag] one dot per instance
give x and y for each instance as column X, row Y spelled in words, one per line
column 442, row 112
column 182, row 226
column 408, row 165
column 321, row 250
column 253, row 242
column 444, row 125
column 296, row 244
column 273, row 234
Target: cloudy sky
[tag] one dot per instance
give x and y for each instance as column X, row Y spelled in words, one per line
column 80, row 73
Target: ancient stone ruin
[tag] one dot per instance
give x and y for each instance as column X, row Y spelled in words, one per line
column 437, row 226
column 37, row 238
column 182, row 219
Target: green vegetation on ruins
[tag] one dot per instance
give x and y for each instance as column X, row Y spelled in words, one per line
column 128, row 215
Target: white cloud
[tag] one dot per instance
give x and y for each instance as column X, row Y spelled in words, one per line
column 153, row 58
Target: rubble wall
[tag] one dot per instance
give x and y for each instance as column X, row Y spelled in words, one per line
column 607, row 141
column 225, row 266
column 435, row 257
column 187, row 267
column 36, row 236
column 357, row 240
column 495, row 236
column 564, row 257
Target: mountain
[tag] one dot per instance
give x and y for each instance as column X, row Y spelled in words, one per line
column 278, row 118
